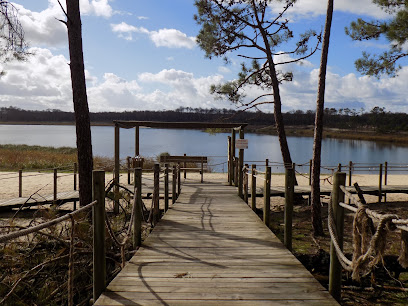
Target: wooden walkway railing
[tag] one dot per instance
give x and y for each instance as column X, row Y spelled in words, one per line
column 210, row 248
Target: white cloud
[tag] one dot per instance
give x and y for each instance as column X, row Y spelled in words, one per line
column 125, row 30
column 347, row 91
column 313, row 8
column 170, row 38
column 43, row 28
column 96, row 7
column 224, row 70
column 43, row 81
column 282, row 57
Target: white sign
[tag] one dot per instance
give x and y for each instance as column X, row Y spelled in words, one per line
column 241, row 143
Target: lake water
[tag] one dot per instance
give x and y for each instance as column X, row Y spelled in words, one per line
column 193, row 142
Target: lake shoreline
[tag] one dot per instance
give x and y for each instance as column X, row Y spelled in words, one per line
column 400, row 138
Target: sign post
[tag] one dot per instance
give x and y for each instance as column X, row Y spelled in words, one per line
column 241, row 144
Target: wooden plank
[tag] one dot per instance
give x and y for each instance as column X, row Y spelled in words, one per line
column 116, row 299
column 135, row 296
column 62, row 197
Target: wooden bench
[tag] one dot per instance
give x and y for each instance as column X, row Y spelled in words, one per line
column 186, row 159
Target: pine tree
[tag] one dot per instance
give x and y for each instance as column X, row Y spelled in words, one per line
column 317, row 223
column 395, row 30
column 246, row 26
column 12, row 39
column 80, row 100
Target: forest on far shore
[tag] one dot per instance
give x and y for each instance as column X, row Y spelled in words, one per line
column 377, row 119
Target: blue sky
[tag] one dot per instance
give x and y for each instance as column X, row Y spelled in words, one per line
column 142, row 55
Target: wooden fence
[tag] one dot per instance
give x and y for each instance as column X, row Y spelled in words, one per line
column 385, row 223
column 101, row 223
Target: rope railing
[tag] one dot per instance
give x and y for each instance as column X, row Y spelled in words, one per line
column 367, row 252
column 39, row 227
column 374, row 215
column 34, row 229
column 123, row 237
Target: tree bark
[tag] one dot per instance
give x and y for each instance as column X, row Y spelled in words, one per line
column 82, row 120
column 318, row 130
column 277, row 104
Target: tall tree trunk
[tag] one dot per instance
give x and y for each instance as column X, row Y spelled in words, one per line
column 277, row 103
column 318, row 130
column 82, row 120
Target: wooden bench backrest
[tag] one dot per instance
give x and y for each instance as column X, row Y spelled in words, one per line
column 181, row 159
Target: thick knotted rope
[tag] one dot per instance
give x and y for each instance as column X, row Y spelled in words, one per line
column 369, row 243
column 403, row 258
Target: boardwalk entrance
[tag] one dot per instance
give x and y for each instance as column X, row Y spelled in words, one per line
column 211, row 249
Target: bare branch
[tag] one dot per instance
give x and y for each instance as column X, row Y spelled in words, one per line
column 65, row 13
column 250, row 57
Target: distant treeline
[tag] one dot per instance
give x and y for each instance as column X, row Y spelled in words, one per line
column 376, row 119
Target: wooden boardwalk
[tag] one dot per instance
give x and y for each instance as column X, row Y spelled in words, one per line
column 35, row 200
column 211, row 249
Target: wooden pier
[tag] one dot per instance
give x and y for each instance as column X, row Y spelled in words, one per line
column 210, row 248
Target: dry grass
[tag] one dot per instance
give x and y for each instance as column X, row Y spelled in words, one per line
column 14, row 157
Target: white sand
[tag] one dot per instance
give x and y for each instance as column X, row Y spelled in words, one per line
column 42, row 183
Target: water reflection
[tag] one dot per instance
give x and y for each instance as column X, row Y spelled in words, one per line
column 177, row 142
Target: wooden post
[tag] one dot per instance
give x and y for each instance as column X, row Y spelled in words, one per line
column 241, row 166
column 202, row 169
column 116, row 172
column 360, row 193
column 178, row 180
column 380, row 184
column 289, row 197
column 339, row 167
column 137, row 221
column 128, row 169
column 310, row 172
column 253, row 187
column 20, row 183
column 55, row 184
column 246, row 183
column 174, row 186
column 385, row 179
column 137, row 141
column 99, row 249
column 75, row 182
column 185, row 166
column 267, row 196
column 350, row 172
column 229, row 161
column 233, row 166
column 166, row 187
column 236, row 172
column 339, row 179
column 156, row 211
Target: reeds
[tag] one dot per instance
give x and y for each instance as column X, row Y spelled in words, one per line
column 14, row 157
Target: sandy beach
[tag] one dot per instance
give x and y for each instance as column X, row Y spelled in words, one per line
column 42, row 182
